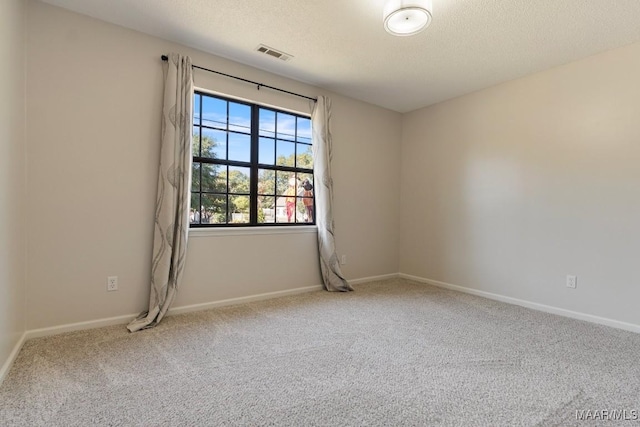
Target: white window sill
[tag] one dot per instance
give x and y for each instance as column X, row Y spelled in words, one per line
column 250, row 231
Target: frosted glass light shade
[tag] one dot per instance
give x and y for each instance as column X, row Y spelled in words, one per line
column 405, row 18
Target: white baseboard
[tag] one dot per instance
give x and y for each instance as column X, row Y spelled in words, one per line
column 533, row 305
column 242, row 300
column 373, row 278
column 71, row 327
column 12, row 357
column 123, row 320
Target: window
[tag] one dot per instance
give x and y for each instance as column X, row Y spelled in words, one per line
column 252, row 165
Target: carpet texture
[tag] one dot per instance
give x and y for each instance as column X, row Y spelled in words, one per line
column 393, row 353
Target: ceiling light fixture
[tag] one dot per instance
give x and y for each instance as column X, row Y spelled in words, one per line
column 406, row 17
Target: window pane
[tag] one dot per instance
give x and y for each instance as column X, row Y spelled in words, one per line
column 267, row 209
column 299, row 210
column 267, row 123
column 286, row 183
column 196, row 142
column 239, row 180
column 214, row 144
column 194, row 212
column 287, row 209
column 304, row 209
column 239, row 117
column 285, row 153
column 196, row 109
column 287, row 189
column 305, row 202
column 214, row 178
column 213, row 209
column 195, row 177
column 267, row 151
column 305, row 182
column 304, row 156
column 281, row 210
column 214, row 112
column 239, row 209
column 286, row 126
column 266, row 182
column 239, row 147
column 304, row 130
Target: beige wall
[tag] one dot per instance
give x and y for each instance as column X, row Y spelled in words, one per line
column 510, row 189
column 12, row 166
column 94, row 102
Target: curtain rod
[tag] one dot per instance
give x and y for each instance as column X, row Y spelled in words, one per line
column 259, row 85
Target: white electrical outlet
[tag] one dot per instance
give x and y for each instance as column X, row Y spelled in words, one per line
column 572, row 281
column 112, row 283
column 343, row 259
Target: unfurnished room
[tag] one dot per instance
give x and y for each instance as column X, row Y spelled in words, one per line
column 327, row 213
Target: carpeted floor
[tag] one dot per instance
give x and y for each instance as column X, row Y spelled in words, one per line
column 393, row 353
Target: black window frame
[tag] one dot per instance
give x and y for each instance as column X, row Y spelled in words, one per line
column 253, row 164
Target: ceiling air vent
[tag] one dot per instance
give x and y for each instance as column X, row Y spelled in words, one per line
column 273, row 52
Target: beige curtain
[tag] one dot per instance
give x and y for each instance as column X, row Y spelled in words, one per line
column 329, row 265
column 174, row 184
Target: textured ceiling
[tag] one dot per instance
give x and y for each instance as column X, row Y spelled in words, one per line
column 341, row 45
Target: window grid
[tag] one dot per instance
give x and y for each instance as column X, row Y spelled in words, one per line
column 267, row 206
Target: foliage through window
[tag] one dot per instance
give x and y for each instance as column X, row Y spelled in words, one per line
column 252, row 165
